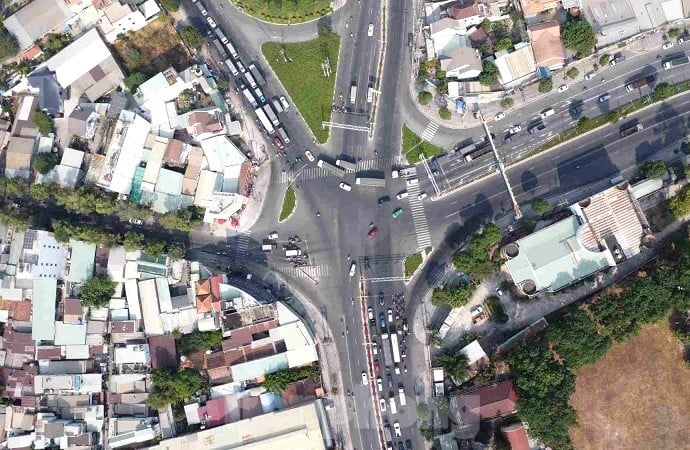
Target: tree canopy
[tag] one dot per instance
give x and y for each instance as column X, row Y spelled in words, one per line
column 540, row 206
column 476, row 261
column 43, row 122
column 134, row 80
column 170, row 5
column 576, row 339
column 455, row 365
column 44, row 162
column 653, row 169
column 172, row 387
column 199, row 341
column 579, row 35
column 193, row 37
column 680, row 203
column 8, row 43
column 662, row 91
column 425, row 98
column 489, row 73
column 97, row 291
column 455, row 298
column 278, row 381
column 545, row 85
column 444, row 113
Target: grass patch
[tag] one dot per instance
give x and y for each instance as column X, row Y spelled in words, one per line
column 302, row 76
column 412, row 263
column 414, row 147
column 152, row 49
column 294, row 11
column 289, row 202
column 613, row 397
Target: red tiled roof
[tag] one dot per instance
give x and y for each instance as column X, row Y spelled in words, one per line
column 173, row 151
column 460, row 11
column 489, row 402
column 52, row 353
column 163, row 351
column 215, row 412
column 517, row 436
column 20, row 311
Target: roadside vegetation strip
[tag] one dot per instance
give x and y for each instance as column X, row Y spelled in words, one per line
column 289, row 203
column 299, row 67
column 414, row 146
column 294, row 11
column 412, row 263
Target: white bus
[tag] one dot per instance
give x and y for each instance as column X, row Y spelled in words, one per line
column 268, row 126
column 396, row 348
column 347, row 165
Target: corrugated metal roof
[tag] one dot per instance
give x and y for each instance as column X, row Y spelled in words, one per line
column 81, row 262
column 43, row 301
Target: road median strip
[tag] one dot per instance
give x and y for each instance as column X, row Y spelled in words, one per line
column 289, row 204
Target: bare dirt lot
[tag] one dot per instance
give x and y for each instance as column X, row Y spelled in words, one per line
column 637, row 397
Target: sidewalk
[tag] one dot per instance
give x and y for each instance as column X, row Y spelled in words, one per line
column 642, row 44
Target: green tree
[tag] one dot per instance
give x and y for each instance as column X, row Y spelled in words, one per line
column 572, row 72
column 444, row 113
column 604, row 59
column 170, row 5
column 578, row 35
column 503, row 44
column 132, row 241
column 172, row 387
column 575, row 338
column 673, row 33
column 540, row 206
column 193, row 37
column 662, row 91
column 53, row 43
column 545, row 85
column 8, row 43
column 278, row 381
column 133, row 81
column 507, row 102
column 680, row 203
column 44, row 162
column 176, row 251
column 199, row 341
column 43, row 122
column 486, row 25
column 425, row 97
column 489, row 74
column 476, row 260
column 442, row 86
column 653, row 169
column 423, row 412
column 40, row 192
column 455, row 365
column 154, row 248
column 454, row 298
column 97, row 291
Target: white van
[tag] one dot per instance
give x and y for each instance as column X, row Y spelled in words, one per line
column 547, row 113
column 394, row 409
column 268, row 247
column 290, row 253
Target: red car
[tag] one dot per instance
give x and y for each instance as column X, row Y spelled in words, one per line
column 377, row 367
column 373, row 232
column 278, row 143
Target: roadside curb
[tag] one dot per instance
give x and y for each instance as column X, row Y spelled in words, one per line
column 550, row 149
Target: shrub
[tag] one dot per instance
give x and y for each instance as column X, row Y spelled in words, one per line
column 133, row 81
column 653, row 169
column 673, row 33
column 507, row 102
column 662, row 91
column 489, row 74
column 503, row 44
column 44, row 162
column 425, row 98
column 604, row 59
column 572, row 72
column 43, row 122
column 193, row 37
column 545, row 85
column 454, row 298
column 170, row 5
column 97, row 291
column 540, row 206
column 444, row 113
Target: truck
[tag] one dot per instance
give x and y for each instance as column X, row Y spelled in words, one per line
column 231, row 49
column 259, row 95
column 640, row 82
column 465, row 150
column 401, row 395
column 676, row 62
column 396, row 348
column 221, row 50
column 257, row 75
column 387, row 432
column 385, row 346
column 353, row 93
column 478, row 152
column 628, row 130
column 250, row 79
column 250, row 98
column 283, row 135
column 393, row 407
column 232, row 67
column 332, row 168
column 373, row 182
column 221, row 35
column 293, row 252
column 347, row 165
column 370, row 95
column 276, row 104
column 271, row 115
column 268, row 126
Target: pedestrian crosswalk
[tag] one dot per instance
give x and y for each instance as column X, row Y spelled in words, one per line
column 314, row 272
column 421, row 226
column 310, row 173
column 430, row 131
column 243, row 241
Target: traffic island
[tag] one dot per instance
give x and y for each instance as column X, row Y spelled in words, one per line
column 414, row 147
column 307, row 71
column 412, row 263
column 289, row 204
column 292, row 12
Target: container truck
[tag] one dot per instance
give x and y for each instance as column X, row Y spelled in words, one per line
column 232, row 67
column 676, row 62
column 257, row 75
column 250, row 79
column 347, row 165
column 231, row 49
column 276, row 104
column 220, row 48
column 370, row 95
column 284, row 136
column 332, row 168
column 386, row 350
column 268, row 126
column 373, row 182
column 271, row 115
column 353, row 93
column 640, row 82
column 221, row 35
column 627, row 131
column 250, row 98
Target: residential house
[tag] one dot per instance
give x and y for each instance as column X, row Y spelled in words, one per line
column 467, row 13
column 163, row 352
column 602, row 231
column 18, row 157
column 534, row 10
column 461, row 63
column 35, row 20
column 83, row 122
column 516, row 67
column 81, row 261
column 120, row 18
column 547, row 45
column 517, row 436
column 476, row 357
column 485, row 403
column 43, row 83
column 43, row 317
column 68, row 173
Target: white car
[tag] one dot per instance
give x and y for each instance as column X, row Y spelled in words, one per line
column 203, row 11
column 499, row 116
column 396, row 428
column 563, row 88
column 211, row 22
column 681, row 40
column 382, row 402
column 273, row 235
column 345, row 187
column 309, row 155
column 590, row 75
column 422, row 195
column 667, row 45
column 353, row 268
column 133, row 221
column 402, row 195
column 365, row 379
column 379, row 384
column 374, row 348
column 370, row 30
column 284, row 102
column 370, row 313
column 390, row 315
column 516, row 129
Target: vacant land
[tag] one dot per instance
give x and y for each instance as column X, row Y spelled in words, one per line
column 414, row 147
column 293, row 11
column 152, row 49
column 638, row 396
column 301, row 73
column 289, row 203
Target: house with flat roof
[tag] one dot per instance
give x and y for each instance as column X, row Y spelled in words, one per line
column 605, row 229
column 547, row 45
column 461, row 63
column 35, row 20
column 43, row 315
column 120, row 18
column 516, row 67
column 81, row 261
column 18, row 157
column 532, row 9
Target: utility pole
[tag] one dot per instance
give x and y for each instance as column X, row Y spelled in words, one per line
column 501, row 168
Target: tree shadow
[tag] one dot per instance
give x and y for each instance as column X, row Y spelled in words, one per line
column 529, row 181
